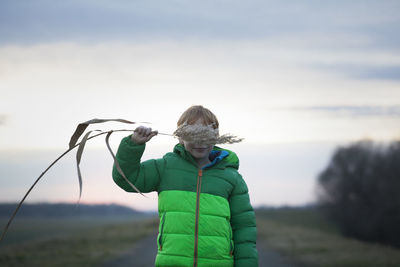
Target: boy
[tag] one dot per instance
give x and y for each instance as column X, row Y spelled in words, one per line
column 206, row 218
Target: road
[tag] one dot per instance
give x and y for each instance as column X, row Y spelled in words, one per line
column 145, row 250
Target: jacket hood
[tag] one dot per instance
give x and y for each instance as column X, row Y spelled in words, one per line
column 231, row 160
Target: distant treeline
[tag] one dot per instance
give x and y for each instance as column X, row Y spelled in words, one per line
column 360, row 191
column 66, row 210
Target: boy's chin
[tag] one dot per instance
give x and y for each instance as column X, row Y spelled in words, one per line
column 200, row 152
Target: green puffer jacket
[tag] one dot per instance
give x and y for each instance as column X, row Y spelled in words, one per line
column 205, row 214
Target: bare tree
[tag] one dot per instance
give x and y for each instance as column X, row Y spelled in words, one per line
column 360, row 190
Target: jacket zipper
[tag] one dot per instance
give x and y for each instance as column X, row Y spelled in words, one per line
column 196, row 227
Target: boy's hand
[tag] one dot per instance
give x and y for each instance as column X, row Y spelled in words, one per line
column 142, row 135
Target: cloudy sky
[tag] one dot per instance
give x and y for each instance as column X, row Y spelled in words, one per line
column 294, row 78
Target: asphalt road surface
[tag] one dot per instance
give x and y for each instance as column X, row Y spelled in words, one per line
column 144, row 252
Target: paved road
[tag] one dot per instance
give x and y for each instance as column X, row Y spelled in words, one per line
column 269, row 258
column 144, row 253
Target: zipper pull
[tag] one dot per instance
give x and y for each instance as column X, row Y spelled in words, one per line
column 200, row 172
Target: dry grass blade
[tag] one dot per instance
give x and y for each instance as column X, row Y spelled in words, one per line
column 117, row 164
column 82, row 127
column 78, row 160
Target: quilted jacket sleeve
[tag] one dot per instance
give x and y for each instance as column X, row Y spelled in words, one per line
column 244, row 229
column 145, row 176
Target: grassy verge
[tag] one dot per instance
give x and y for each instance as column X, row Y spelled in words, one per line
column 28, row 229
column 86, row 247
column 315, row 242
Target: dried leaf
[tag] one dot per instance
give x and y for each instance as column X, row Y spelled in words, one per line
column 78, row 160
column 117, row 164
column 80, row 129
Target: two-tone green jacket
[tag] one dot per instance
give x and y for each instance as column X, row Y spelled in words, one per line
column 206, row 218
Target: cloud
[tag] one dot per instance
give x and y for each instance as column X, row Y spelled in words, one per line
column 383, row 73
column 49, row 21
column 378, row 70
column 354, row 111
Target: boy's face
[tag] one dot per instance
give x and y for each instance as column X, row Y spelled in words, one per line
column 198, row 151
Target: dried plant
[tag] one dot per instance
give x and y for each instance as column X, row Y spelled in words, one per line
column 197, row 133
column 204, row 134
column 72, row 144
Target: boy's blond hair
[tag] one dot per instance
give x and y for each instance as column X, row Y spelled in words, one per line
column 194, row 113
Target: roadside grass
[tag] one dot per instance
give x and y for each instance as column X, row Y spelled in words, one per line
column 38, row 228
column 310, row 240
column 307, row 217
column 84, row 246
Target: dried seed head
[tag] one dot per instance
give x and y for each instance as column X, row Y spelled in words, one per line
column 204, row 134
column 229, row 139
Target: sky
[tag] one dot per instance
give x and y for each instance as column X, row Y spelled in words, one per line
column 296, row 79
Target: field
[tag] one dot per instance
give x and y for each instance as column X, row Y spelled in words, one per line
column 304, row 237
column 72, row 241
column 301, row 235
